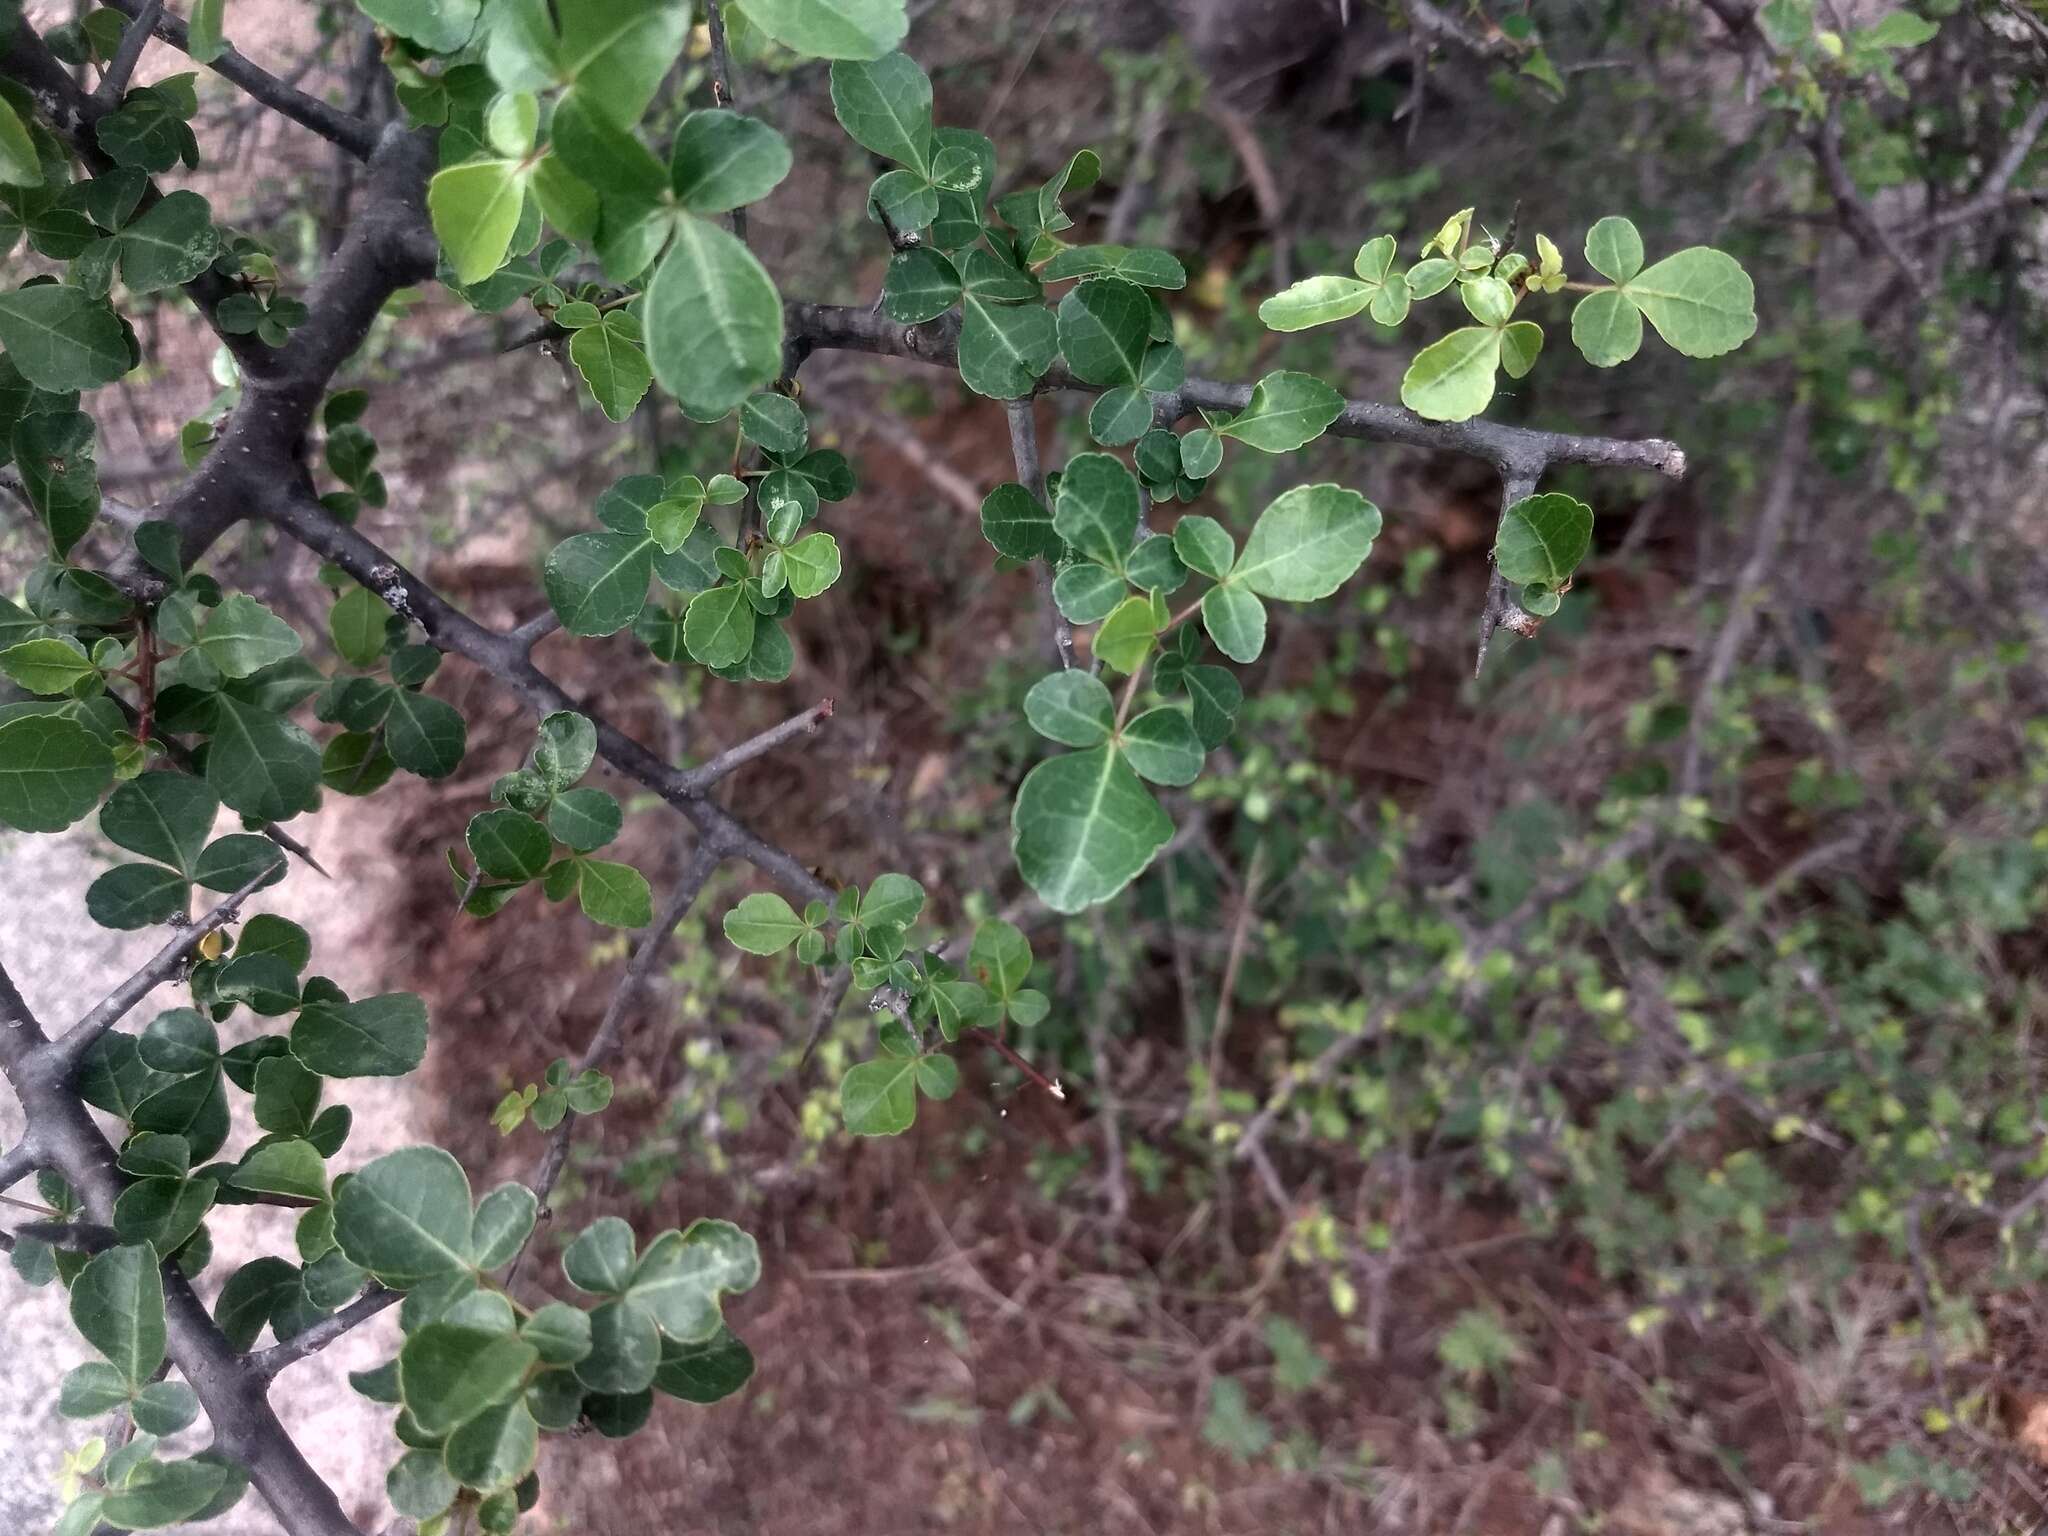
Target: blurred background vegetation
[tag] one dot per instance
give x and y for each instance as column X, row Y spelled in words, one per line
column 1601, row 1096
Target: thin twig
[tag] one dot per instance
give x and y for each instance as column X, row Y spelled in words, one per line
column 300, row 1346
column 1031, row 475
column 162, row 966
column 703, row 860
column 703, row 777
column 121, row 68
column 722, row 91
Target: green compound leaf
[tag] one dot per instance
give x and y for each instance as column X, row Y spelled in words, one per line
column 1205, row 546
column 1071, row 707
column 1004, row 348
column 718, row 627
column 1086, row 593
column 405, row 1217
column 1120, row 416
column 600, row 1260
column 714, row 321
column 560, row 1332
column 1543, row 538
column 383, row 1036
column 682, row 1275
column 419, row 1487
column 1201, row 453
column 203, row 40
column 172, row 243
column 921, row 285
column 1217, row 695
column 1316, row 301
column 1096, row 510
column 476, row 209
column 1104, row 330
column 811, row 564
column 1614, row 249
column 163, row 816
column 706, row 1372
column 1162, row 746
column 289, row 1167
column 722, row 160
column 892, row 898
column 613, row 363
column 1286, row 411
column 1127, row 635
column 885, row 106
column 777, row 423
column 61, row 339
column 1000, row 956
column 160, row 1493
column 584, row 819
column 508, row 845
column 879, row 1098
column 833, row 29
column 1700, row 300
column 1236, row 621
column 1452, row 379
column 259, row 763
column 52, row 771
column 597, row 582
column 439, row 26
column 1606, row 328
column 424, row 735
column 241, row 637
column 1307, row 543
column 763, row 924
column 614, row 894
column 448, row 1374
column 1016, row 524
column 20, row 166
column 494, row 1450
column 117, row 1303
column 1084, row 827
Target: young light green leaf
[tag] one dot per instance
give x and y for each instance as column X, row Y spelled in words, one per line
column 1000, row 956
column 1607, row 328
column 811, row 564
column 287, row 1167
column 714, row 321
column 893, row 899
column 1084, row 827
column 833, row 29
column 1316, row 301
column 203, row 40
column 1543, row 538
column 614, row 894
column 438, row 26
column 20, row 166
column 1127, row 635
column 1452, row 379
column 475, row 208
column 48, row 666
column 1700, row 300
column 1307, row 543
column 1614, row 249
